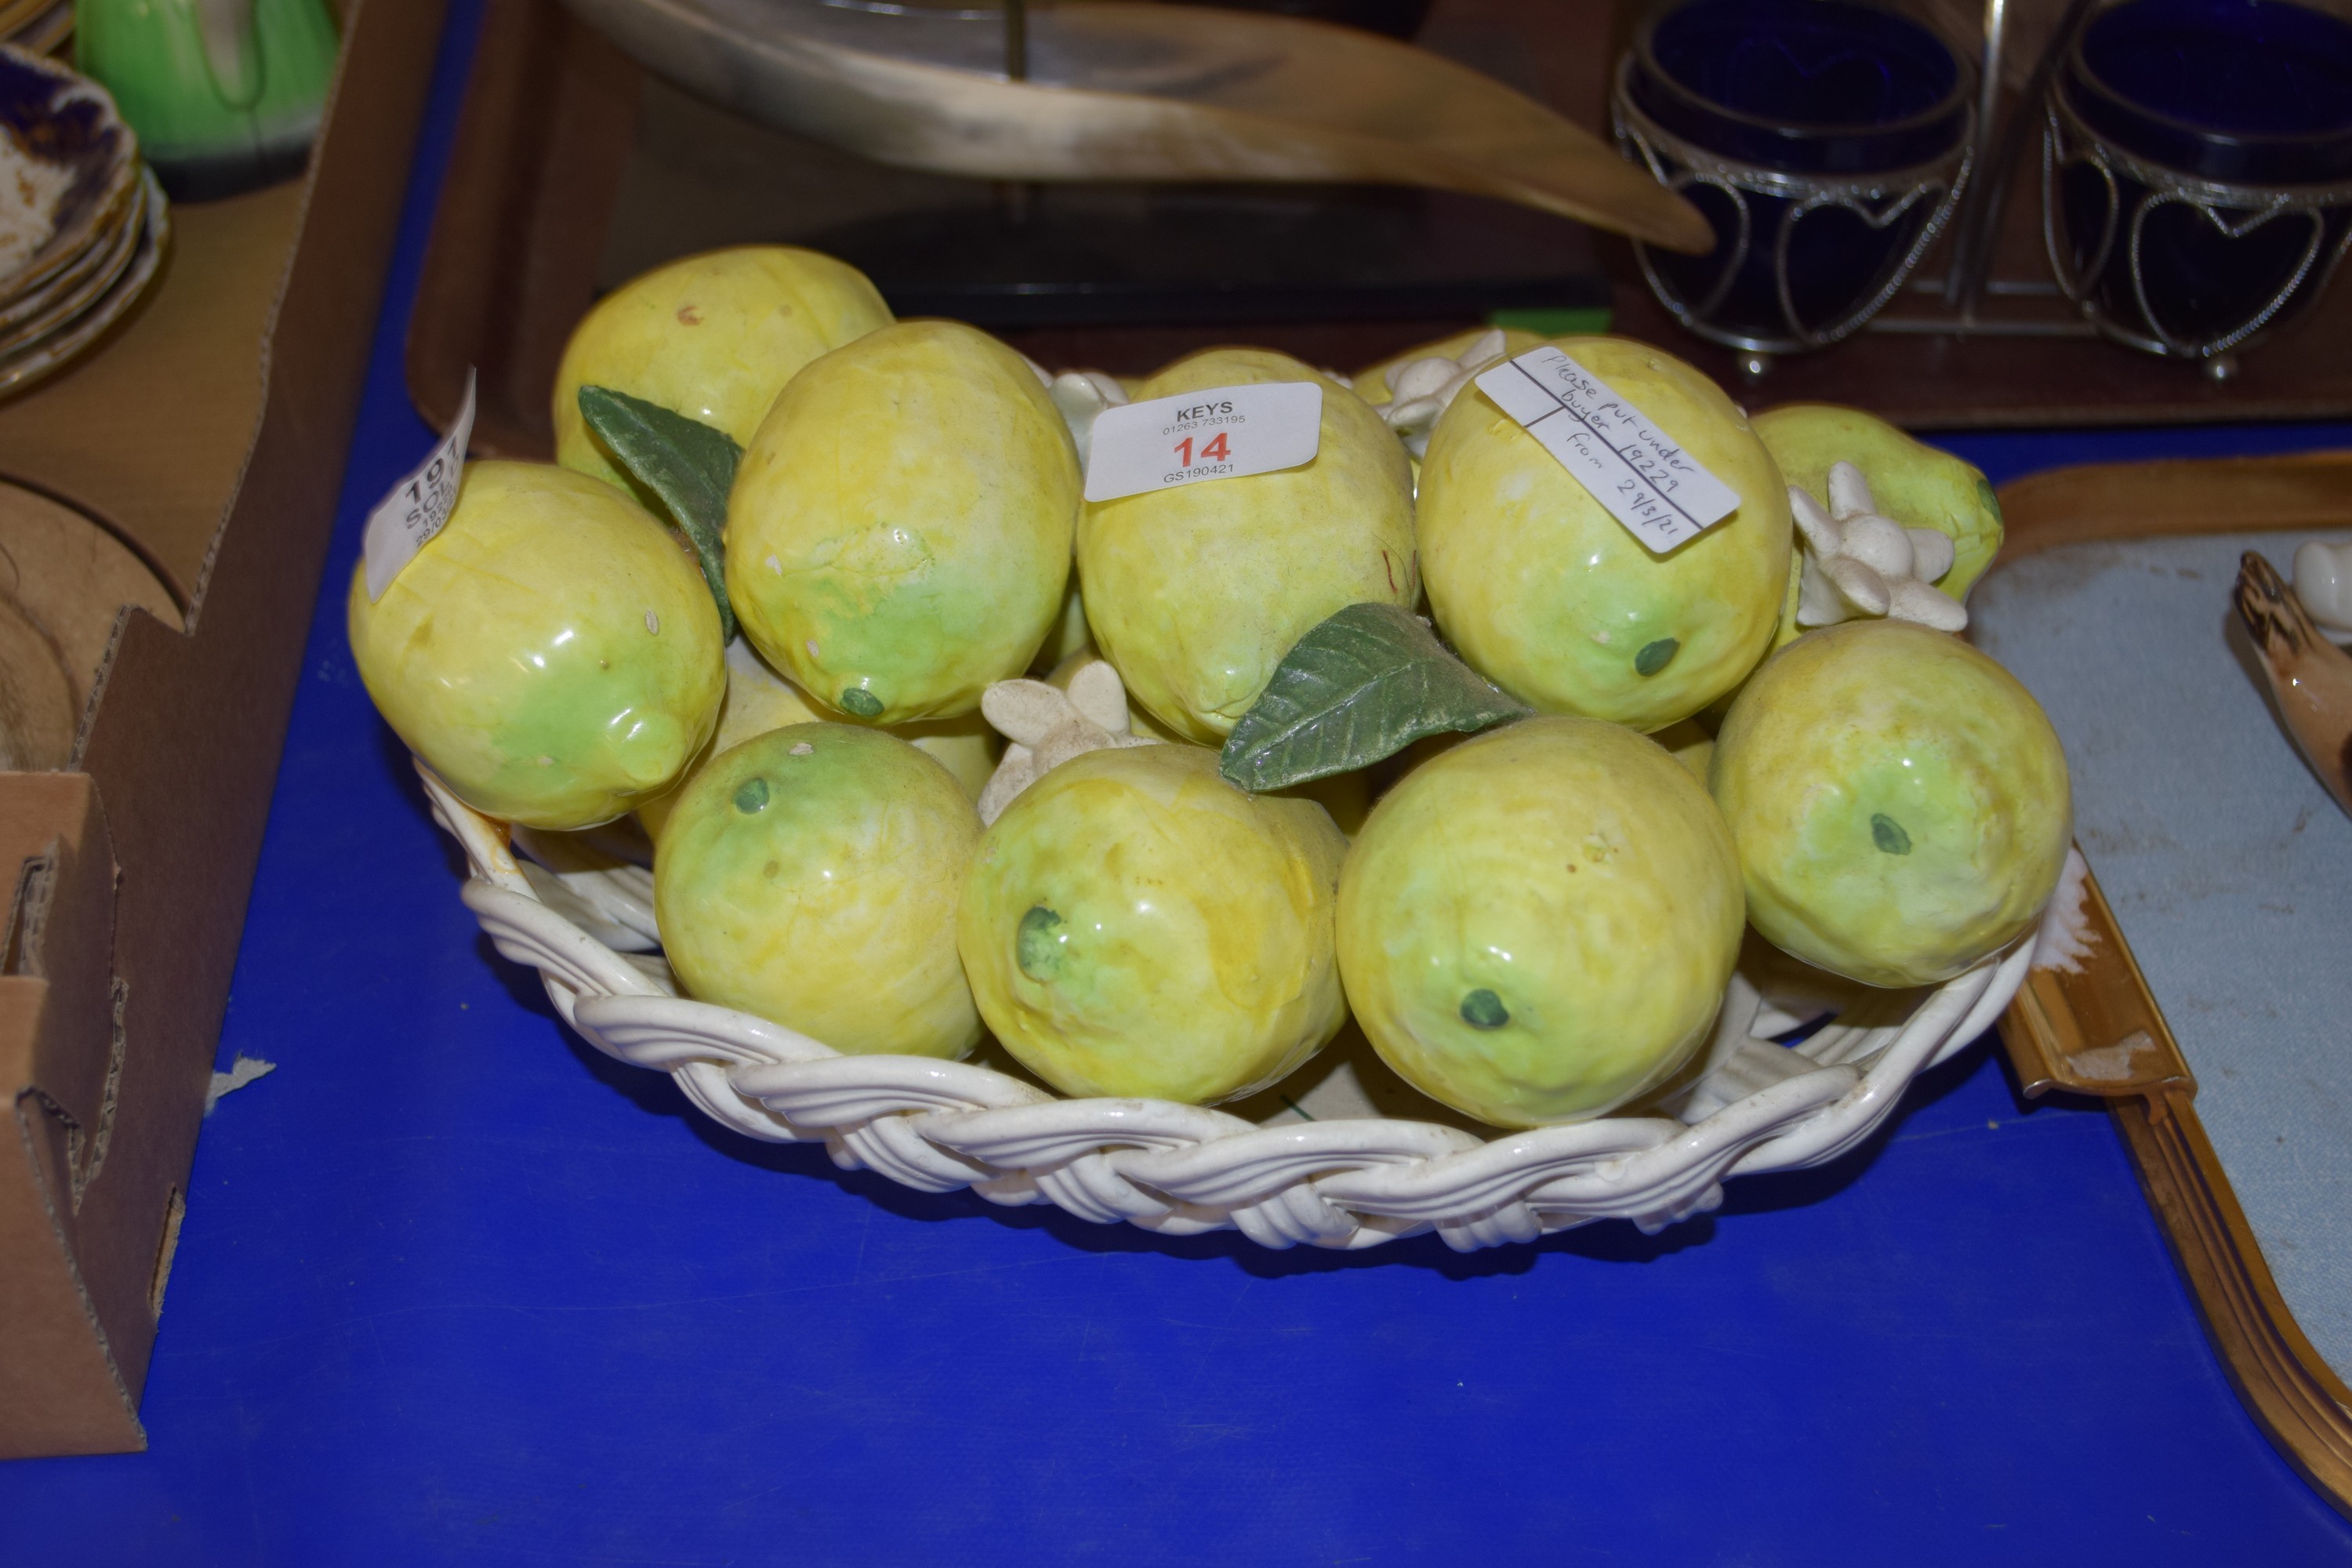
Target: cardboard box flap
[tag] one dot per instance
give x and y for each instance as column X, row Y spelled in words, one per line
column 208, row 435
column 150, row 434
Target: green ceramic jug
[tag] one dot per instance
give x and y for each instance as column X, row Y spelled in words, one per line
column 225, row 94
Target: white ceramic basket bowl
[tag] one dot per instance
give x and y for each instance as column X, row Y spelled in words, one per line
column 936, row 1126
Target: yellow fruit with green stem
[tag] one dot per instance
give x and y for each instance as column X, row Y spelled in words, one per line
column 759, row 700
column 899, row 535
column 1538, row 925
column 714, row 337
column 552, row 653
column 1134, row 925
column 1900, row 801
column 1196, row 592
column 810, row 876
column 1546, row 594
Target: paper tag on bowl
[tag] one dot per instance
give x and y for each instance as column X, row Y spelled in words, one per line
column 1652, row 486
column 1224, row 433
column 419, row 505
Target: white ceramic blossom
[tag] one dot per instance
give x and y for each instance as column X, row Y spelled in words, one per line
column 2323, row 580
column 1082, row 395
column 1421, row 389
column 1045, row 727
column 1859, row 563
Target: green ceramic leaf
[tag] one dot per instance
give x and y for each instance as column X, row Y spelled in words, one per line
column 1364, row 684
column 686, row 462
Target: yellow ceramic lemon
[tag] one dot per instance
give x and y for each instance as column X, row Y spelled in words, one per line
column 1900, row 801
column 1538, row 925
column 552, row 653
column 713, row 337
column 759, row 700
column 810, row 876
column 1135, row 925
column 1549, row 596
column 898, row 536
column 1196, row 592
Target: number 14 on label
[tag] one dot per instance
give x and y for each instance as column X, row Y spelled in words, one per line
column 1216, row 451
column 1215, row 432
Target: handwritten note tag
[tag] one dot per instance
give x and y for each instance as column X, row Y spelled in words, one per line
column 419, row 505
column 1652, row 486
column 1223, row 432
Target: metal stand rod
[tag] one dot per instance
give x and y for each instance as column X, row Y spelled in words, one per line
column 1996, row 25
column 1015, row 199
column 1979, row 225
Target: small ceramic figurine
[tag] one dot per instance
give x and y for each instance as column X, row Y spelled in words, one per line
column 2311, row 679
column 225, row 94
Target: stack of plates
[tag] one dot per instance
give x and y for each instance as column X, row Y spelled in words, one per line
column 82, row 222
column 40, row 26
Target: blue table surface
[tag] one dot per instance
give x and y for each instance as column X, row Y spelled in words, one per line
column 455, row 1287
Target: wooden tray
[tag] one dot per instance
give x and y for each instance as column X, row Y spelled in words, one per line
column 2099, row 1033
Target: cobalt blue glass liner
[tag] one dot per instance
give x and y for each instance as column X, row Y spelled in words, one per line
column 2179, row 263
column 2254, row 92
column 1825, row 141
column 1824, row 87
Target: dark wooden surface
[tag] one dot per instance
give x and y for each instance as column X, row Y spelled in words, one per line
column 1954, row 383
column 553, row 149
column 550, row 111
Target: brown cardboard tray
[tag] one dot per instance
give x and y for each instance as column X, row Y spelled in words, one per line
column 187, row 471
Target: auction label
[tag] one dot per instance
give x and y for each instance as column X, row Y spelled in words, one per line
column 419, row 505
column 1223, row 432
column 1614, row 450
